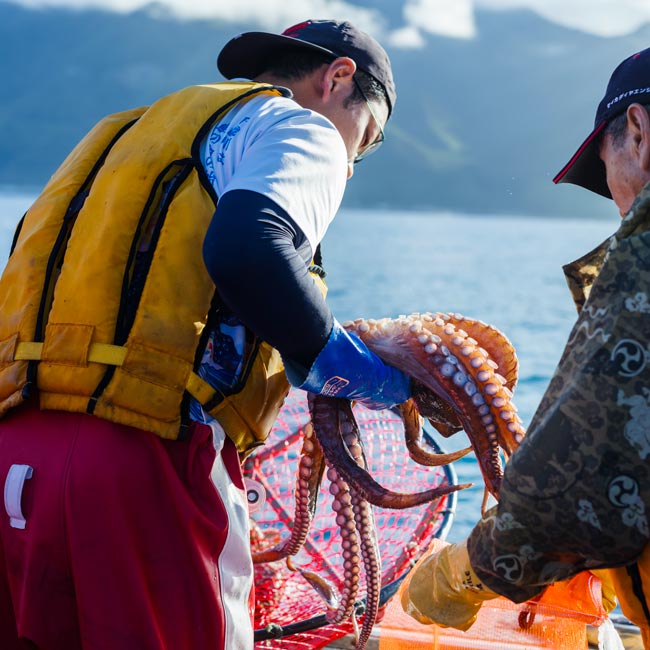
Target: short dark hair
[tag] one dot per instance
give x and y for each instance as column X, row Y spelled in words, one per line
column 617, row 127
column 287, row 65
column 369, row 86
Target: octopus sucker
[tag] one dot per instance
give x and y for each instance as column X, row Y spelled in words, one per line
column 499, row 348
column 365, row 525
column 347, row 527
column 365, row 521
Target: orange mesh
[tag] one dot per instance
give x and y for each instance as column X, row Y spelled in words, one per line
column 556, row 620
column 497, row 628
column 285, row 601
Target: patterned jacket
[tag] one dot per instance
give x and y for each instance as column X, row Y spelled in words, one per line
column 576, row 494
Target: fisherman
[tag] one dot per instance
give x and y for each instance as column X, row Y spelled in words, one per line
column 576, row 493
column 130, row 388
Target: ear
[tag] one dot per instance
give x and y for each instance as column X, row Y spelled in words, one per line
column 638, row 126
column 338, row 78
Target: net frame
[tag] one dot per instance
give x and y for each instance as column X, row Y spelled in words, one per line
column 289, row 613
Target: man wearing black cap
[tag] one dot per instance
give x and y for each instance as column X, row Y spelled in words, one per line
column 130, row 388
column 576, row 493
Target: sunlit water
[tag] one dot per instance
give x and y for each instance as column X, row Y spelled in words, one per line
column 505, row 271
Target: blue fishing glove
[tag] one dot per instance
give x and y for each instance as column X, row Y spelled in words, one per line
column 346, row 368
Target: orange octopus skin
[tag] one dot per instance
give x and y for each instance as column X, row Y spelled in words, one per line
column 452, row 364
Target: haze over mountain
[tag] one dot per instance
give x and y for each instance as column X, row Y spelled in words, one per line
column 481, row 125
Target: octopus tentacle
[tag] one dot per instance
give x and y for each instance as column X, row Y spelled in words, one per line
column 497, row 345
column 479, row 365
column 328, row 415
column 342, row 505
column 448, row 362
column 365, row 524
column 413, row 438
column 309, row 477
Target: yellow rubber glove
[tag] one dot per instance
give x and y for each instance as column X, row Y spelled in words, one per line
column 444, row 589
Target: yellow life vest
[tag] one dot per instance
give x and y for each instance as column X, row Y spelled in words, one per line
column 83, row 324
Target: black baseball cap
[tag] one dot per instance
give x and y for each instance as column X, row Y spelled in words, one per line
column 629, row 84
column 248, row 54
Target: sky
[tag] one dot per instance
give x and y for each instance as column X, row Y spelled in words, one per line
column 454, row 18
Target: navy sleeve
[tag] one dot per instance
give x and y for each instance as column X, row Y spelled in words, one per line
column 257, row 257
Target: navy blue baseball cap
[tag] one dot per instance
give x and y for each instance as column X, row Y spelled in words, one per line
column 629, row 84
column 248, row 54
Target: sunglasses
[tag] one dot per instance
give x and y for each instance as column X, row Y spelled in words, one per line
column 373, row 146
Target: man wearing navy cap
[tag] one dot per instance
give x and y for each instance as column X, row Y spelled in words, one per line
column 135, row 371
column 576, row 493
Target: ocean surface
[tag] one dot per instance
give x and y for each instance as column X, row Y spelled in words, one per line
column 504, row 270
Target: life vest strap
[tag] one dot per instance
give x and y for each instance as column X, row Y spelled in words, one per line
column 114, row 355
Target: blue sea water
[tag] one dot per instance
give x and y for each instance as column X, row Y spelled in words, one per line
column 504, row 270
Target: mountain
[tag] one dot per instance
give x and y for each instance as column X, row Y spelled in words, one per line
column 481, row 125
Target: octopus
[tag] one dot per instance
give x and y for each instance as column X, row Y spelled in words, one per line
column 462, row 372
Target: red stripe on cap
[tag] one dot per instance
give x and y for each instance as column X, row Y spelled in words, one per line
column 295, row 29
column 580, row 151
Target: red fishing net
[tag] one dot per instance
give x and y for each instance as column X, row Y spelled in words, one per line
column 290, row 613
